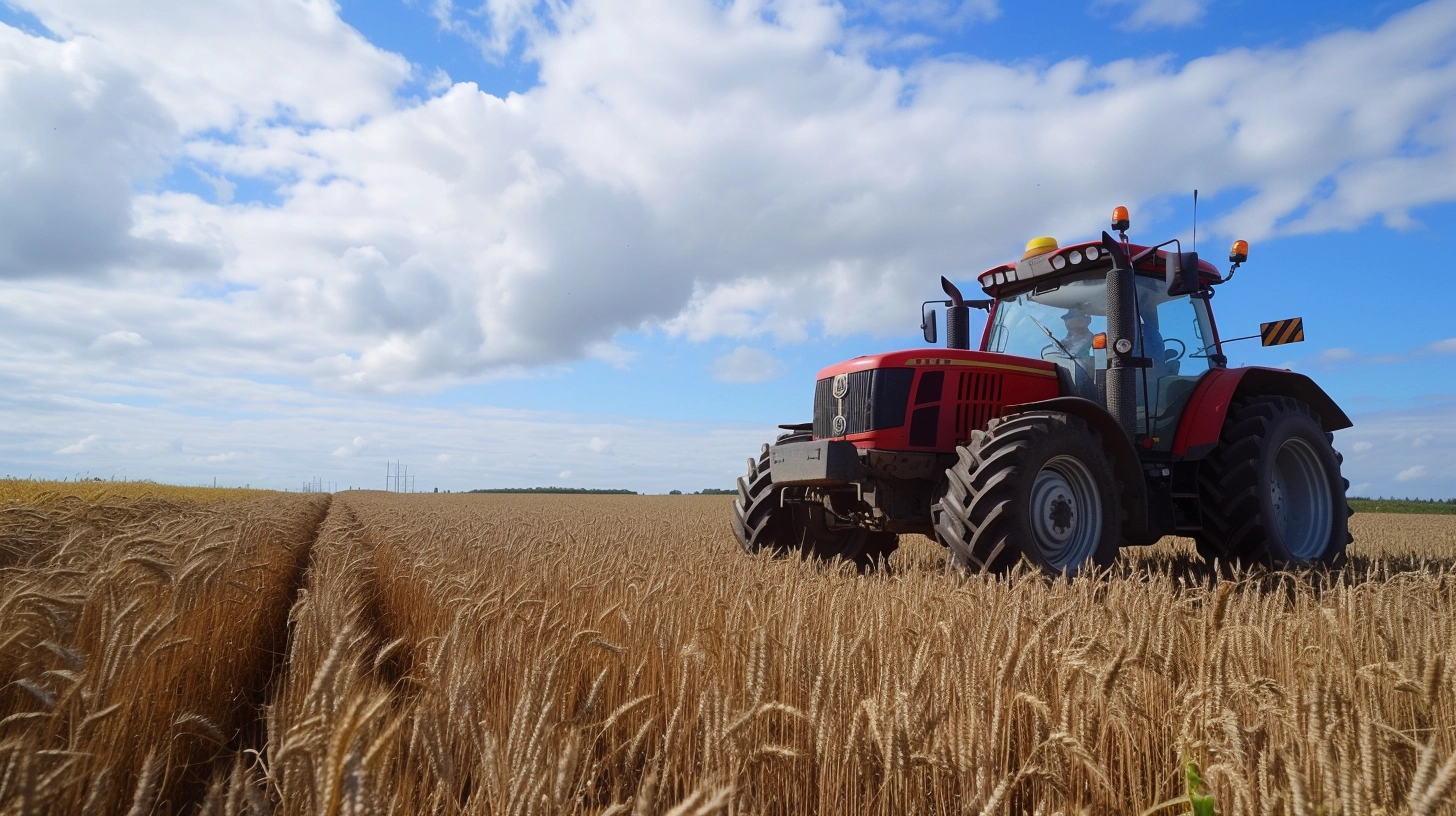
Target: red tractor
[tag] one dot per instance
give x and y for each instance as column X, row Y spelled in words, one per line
column 1098, row 412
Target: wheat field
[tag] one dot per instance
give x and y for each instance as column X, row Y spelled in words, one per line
column 384, row 653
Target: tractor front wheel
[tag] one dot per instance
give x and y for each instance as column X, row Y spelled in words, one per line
column 1034, row 485
column 762, row 524
column 1271, row 491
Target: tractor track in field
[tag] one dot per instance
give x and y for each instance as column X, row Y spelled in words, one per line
column 254, row 736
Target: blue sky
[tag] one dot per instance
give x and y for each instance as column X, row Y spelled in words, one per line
column 610, row 243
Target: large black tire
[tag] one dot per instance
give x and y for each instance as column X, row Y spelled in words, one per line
column 1271, row 491
column 1037, row 485
column 762, row 525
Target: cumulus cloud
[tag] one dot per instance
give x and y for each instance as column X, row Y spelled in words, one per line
column 290, row 434
column 746, row 365
column 86, row 444
column 600, row 445
column 1340, row 357
column 1403, row 450
column 935, row 13
column 119, row 340
column 355, row 445
column 79, row 133
column 225, row 62
column 701, row 168
column 1147, row 14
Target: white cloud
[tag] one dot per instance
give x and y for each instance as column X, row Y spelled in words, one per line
column 77, row 134
column 936, row 13
column 1342, row 357
column 600, row 445
column 355, row 445
column 223, row 188
column 611, row 354
column 83, row 446
column 219, row 63
column 697, row 168
column 224, row 457
column 701, row 180
column 290, row 434
column 120, row 339
column 565, row 474
column 1403, row 450
column 747, row 365
column 1147, row 14
column 1411, row 473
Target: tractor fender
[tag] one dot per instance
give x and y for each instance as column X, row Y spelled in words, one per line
column 1202, row 421
column 1125, row 461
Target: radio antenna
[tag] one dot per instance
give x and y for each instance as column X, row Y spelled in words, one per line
column 1195, row 219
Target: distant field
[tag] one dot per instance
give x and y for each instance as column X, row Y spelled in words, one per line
column 516, row 654
column 26, row 490
column 1402, row 506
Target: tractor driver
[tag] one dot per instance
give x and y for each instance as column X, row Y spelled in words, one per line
column 1078, row 341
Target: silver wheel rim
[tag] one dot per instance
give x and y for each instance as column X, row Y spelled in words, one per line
column 1299, row 492
column 1066, row 512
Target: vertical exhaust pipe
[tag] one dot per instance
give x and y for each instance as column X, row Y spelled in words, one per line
column 957, row 318
column 1121, row 339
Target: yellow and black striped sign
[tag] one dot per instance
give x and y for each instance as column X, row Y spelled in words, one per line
column 1282, row 331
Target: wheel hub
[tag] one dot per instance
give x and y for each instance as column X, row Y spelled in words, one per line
column 1065, row 512
column 1299, row 494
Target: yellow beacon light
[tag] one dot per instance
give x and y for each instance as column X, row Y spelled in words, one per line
column 1120, row 219
column 1240, row 252
column 1039, row 246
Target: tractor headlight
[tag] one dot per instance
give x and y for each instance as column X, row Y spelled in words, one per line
column 1058, row 262
column 1091, row 253
column 1075, row 257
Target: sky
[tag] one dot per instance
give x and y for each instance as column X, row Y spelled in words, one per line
column 609, row 243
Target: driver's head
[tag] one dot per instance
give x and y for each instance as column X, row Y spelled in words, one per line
column 1077, row 322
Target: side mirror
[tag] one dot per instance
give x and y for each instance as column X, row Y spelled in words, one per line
column 927, row 325
column 1182, row 275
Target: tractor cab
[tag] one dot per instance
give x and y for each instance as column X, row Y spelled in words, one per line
column 1052, row 305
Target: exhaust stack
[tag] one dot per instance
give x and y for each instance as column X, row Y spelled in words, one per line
column 1121, row 339
column 957, row 318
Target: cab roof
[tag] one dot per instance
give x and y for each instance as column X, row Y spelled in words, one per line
column 1011, row 279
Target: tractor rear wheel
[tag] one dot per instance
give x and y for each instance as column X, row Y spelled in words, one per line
column 762, row 525
column 758, row 521
column 1036, row 485
column 1271, row 491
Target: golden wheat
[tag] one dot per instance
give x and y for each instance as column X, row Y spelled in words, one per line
column 535, row 654
column 138, row 638
column 28, row 491
column 616, row 655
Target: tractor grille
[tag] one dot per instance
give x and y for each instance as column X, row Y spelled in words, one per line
column 875, row 399
column 978, row 401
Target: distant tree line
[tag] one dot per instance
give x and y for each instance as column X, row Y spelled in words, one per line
column 590, row 490
column 1442, row 507
column 707, row 491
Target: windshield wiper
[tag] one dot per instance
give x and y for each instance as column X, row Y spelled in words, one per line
column 1053, row 337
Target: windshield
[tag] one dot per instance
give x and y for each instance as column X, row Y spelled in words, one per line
column 1058, row 321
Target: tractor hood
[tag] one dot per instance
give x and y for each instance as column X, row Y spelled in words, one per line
column 941, row 358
